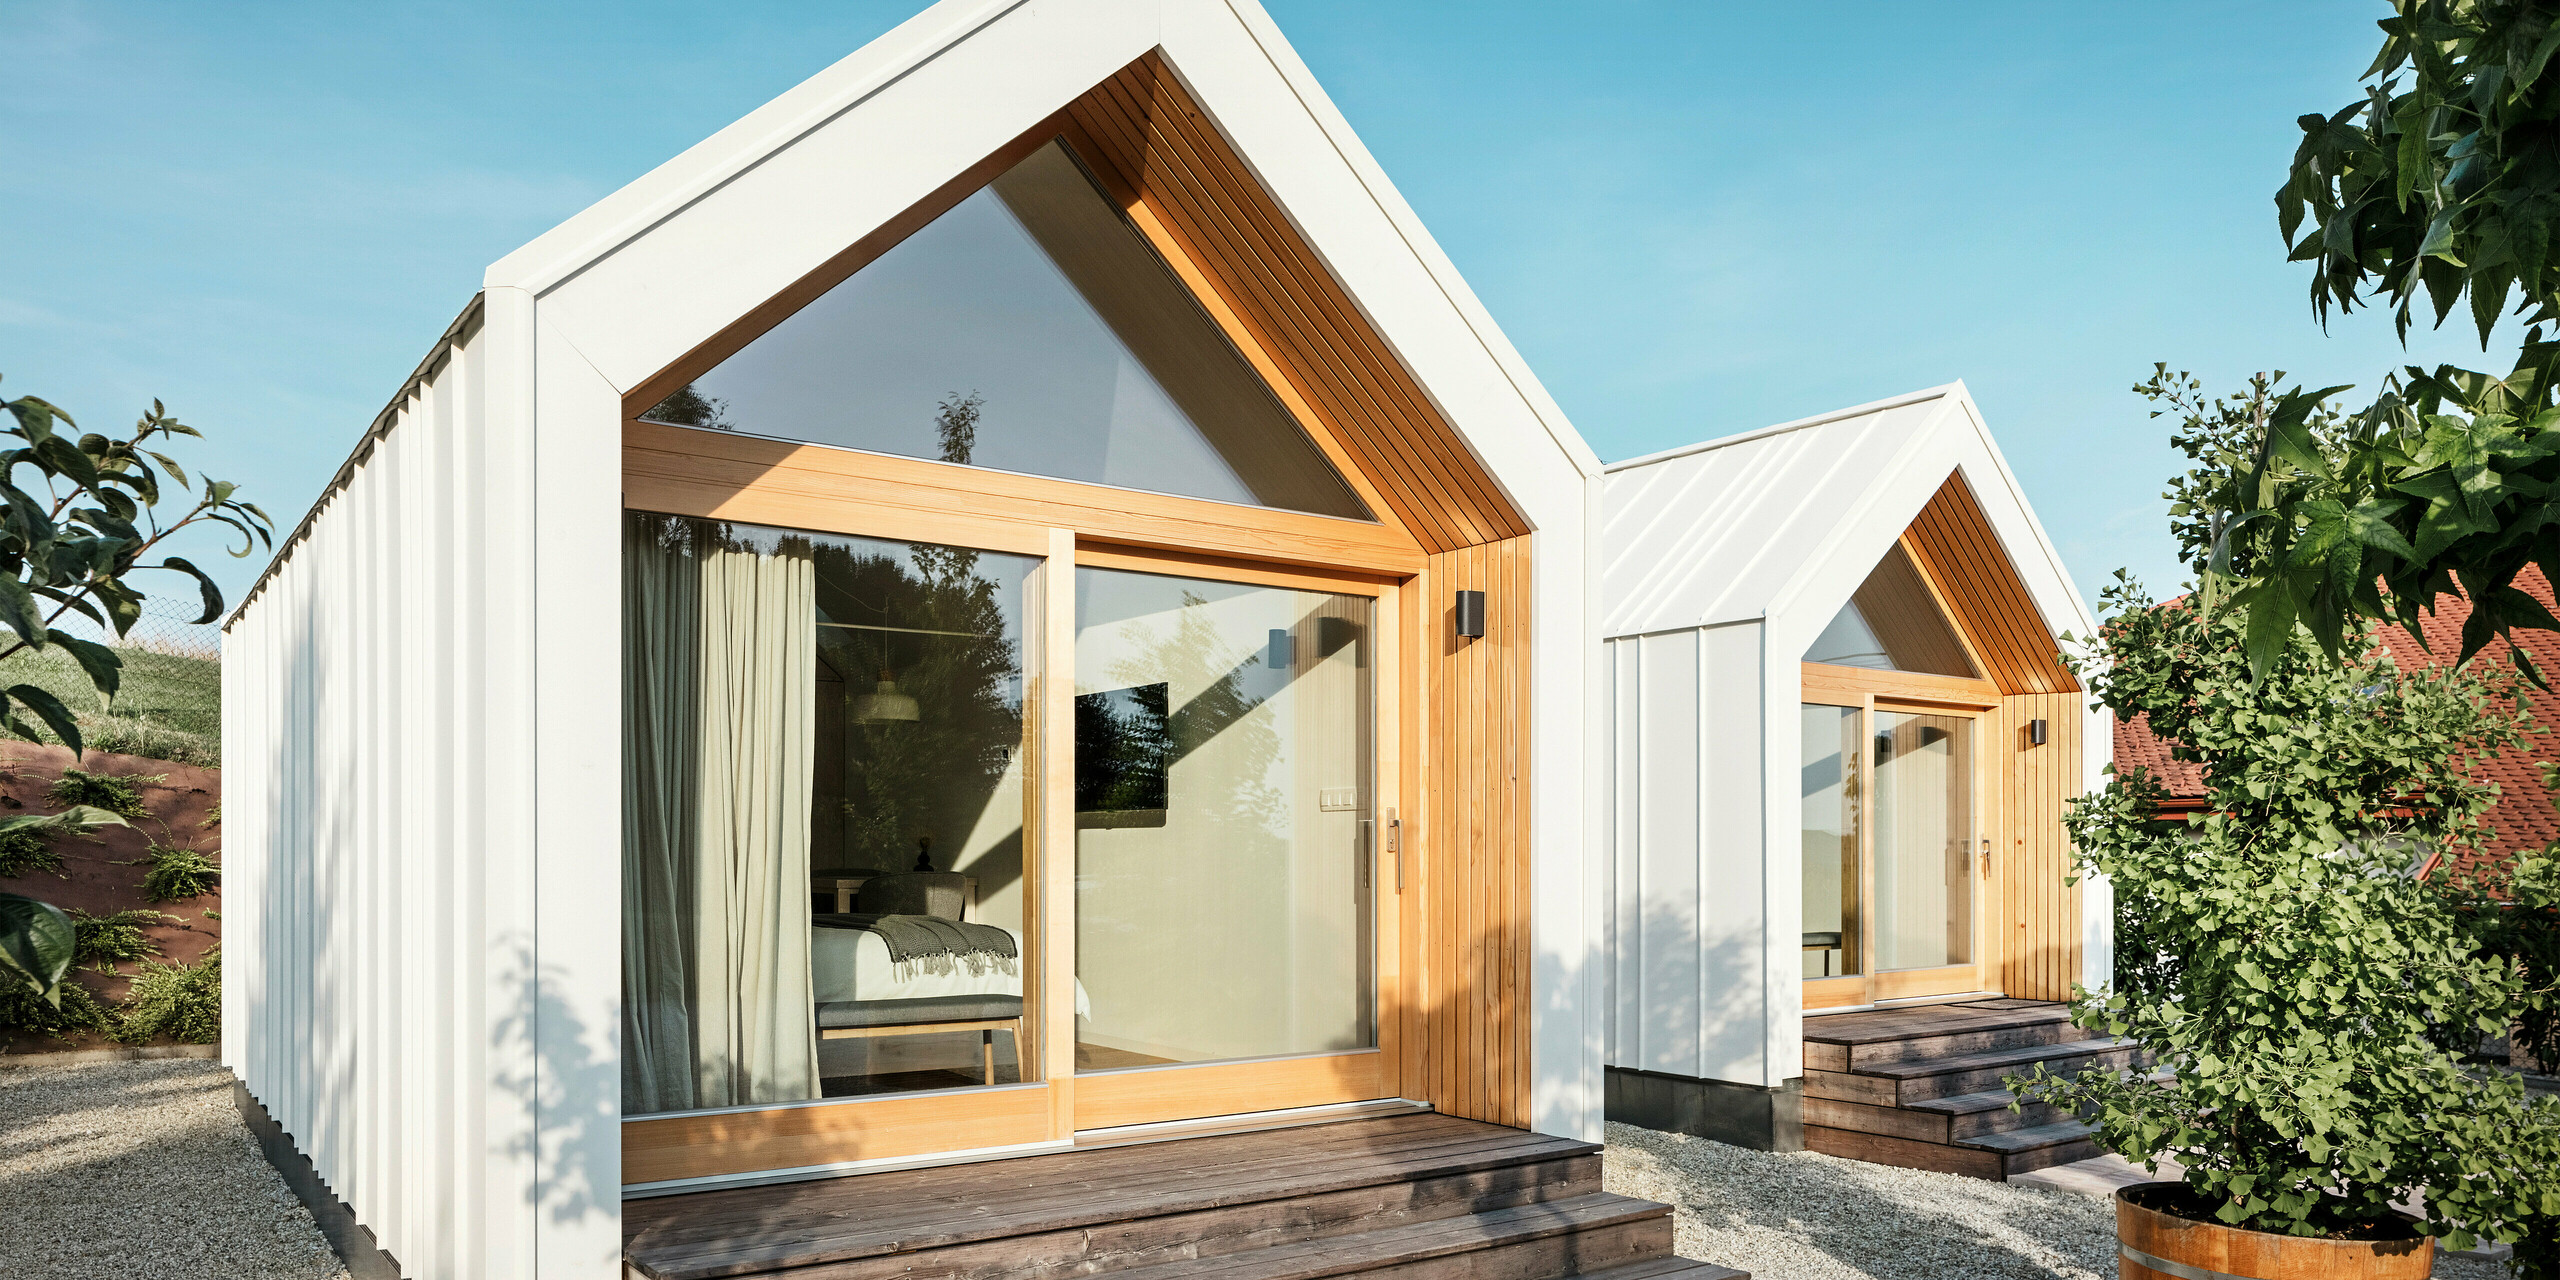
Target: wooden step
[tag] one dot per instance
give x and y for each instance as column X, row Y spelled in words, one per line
column 1938, row 1157
column 1593, row 1233
column 2042, row 1147
column 1854, row 1041
column 1946, row 1036
column 1968, row 1114
column 1119, row 1208
column 1984, row 1072
column 1674, row 1268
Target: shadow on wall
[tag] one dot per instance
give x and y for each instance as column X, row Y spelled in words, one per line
column 570, row 1098
column 1700, row 1007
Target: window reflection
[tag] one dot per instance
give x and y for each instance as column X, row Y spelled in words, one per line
column 1036, row 316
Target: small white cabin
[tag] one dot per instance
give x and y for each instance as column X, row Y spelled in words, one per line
column 1839, row 743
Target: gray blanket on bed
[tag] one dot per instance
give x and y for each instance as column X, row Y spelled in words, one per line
column 931, row 944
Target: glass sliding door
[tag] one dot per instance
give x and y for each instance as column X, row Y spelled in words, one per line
column 1224, row 809
column 1923, row 839
column 824, row 816
column 1890, row 828
column 1833, row 770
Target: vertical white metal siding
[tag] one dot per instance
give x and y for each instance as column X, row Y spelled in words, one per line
column 380, row 964
column 1689, row 929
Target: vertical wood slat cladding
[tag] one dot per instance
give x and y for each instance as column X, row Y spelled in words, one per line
column 1470, row 1041
column 1226, row 226
column 1954, row 544
column 2040, row 923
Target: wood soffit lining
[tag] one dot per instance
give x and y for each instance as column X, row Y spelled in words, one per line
column 1195, row 200
column 1955, row 547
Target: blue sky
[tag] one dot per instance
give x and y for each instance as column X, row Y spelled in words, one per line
column 1692, row 218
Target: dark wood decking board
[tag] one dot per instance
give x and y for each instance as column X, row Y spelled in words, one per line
column 752, row 1229
column 1929, row 1020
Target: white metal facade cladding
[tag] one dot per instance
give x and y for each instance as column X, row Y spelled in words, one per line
column 424, row 700
column 1720, row 563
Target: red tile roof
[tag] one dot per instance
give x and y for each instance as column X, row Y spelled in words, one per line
column 2522, row 819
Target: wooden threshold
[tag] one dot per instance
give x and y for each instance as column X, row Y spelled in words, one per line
column 1250, row 1122
column 1908, row 1002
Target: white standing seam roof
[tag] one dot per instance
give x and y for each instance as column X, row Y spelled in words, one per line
column 1784, row 522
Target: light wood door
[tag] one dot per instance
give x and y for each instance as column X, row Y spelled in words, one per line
column 1235, row 910
column 1902, row 911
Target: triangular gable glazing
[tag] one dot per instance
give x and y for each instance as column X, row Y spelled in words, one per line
column 1028, row 329
column 1893, row 623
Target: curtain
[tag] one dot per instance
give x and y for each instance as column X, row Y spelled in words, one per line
column 660, row 633
column 719, row 645
column 754, row 1037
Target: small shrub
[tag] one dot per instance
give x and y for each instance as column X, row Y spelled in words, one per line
column 117, row 793
column 26, row 850
column 183, row 1001
column 109, row 939
column 22, row 1010
column 178, row 874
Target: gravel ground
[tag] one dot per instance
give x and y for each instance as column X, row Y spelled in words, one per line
column 143, row 1169
column 1817, row 1217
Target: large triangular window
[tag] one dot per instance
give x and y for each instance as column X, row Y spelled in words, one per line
column 1028, row 329
column 1893, row 623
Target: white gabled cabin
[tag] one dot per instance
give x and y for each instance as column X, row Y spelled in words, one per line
column 1840, row 740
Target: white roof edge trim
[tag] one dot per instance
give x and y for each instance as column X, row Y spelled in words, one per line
column 1417, row 239
column 900, row 58
column 1888, row 486
column 1763, row 433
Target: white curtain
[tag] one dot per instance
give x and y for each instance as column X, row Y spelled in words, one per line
column 717, row 794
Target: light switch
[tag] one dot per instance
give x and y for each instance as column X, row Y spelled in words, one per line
column 1338, row 799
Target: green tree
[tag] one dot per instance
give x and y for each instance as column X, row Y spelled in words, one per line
column 2314, row 996
column 2438, row 186
column 81, row 516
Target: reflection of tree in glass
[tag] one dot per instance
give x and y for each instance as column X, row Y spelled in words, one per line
column 927, row 778
column 956, row 424
column 1235, row 798
column 1124, row 744
column 688, row 407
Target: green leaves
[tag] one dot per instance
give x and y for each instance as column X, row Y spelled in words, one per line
column 79, row 517
column 2311, row 995
column 37, row 943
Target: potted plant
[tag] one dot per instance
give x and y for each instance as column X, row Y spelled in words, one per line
column 2309, row 986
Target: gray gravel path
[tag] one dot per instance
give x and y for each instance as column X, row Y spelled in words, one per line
column 143, row 1169
column 1817, row 1217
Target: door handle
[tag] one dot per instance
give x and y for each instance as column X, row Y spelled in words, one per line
column 1395, row 846
column 1986, row 856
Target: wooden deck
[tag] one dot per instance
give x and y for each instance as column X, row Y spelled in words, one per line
column 1921, row 1087
column 1426, row 1196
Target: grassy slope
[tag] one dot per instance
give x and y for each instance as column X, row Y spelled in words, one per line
column 172, row 694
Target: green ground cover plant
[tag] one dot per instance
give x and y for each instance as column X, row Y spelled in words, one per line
column 177, row 874
column 27, row 850
column 183, row 1001
column 110, row 939
column 117, row 793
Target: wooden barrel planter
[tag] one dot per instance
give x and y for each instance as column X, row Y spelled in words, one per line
column 2156, row 1244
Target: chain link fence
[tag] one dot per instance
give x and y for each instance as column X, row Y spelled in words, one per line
column 168, row 703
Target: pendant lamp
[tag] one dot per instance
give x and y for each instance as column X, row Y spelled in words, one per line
column 884, row 704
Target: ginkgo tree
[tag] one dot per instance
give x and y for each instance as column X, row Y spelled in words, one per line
column 83, row 516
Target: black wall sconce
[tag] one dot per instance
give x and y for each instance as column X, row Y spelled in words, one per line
column 2035, row 733
column 1471, row 614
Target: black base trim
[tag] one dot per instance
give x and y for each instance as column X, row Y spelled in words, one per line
column 1741, row 1115
column 348, row 1237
